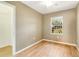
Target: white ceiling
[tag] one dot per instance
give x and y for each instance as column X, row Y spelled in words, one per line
column 58, row 6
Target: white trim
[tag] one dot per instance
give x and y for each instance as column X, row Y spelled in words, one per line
column 60, row 42
column 74, row 45
column 5, row 45
column 13, row 26
column 14, row 30
column 29, row 46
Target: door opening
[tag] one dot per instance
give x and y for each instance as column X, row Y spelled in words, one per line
column 7, row 28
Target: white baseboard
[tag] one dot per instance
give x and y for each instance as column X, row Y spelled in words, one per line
column 60, row 42
column 5, row 43
column 29, row 46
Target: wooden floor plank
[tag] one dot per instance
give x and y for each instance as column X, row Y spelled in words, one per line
column 49, row 49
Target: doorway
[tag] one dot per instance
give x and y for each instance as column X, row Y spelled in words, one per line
column 7, row 29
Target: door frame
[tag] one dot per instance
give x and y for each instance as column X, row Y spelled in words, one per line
column 13, row 27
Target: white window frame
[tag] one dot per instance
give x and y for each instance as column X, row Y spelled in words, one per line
column 51, row 26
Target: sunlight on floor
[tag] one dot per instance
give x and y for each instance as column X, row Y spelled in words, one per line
column 6, row 51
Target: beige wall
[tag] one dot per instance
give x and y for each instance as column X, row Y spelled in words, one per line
column 28, row 25
column 69, row 26
column 78, row 24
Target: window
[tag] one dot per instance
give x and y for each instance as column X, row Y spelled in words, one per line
column 56, row 25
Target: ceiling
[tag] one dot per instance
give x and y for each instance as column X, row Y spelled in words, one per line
column 56, row 6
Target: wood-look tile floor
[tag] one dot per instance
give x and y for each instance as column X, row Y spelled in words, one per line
column 6, row 51
column 49, row 49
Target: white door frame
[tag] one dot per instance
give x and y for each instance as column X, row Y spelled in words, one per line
column 13, row 27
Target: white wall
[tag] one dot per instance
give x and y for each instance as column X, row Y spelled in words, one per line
column 5, row 25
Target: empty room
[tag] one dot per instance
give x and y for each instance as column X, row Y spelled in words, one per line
column 39, row 28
